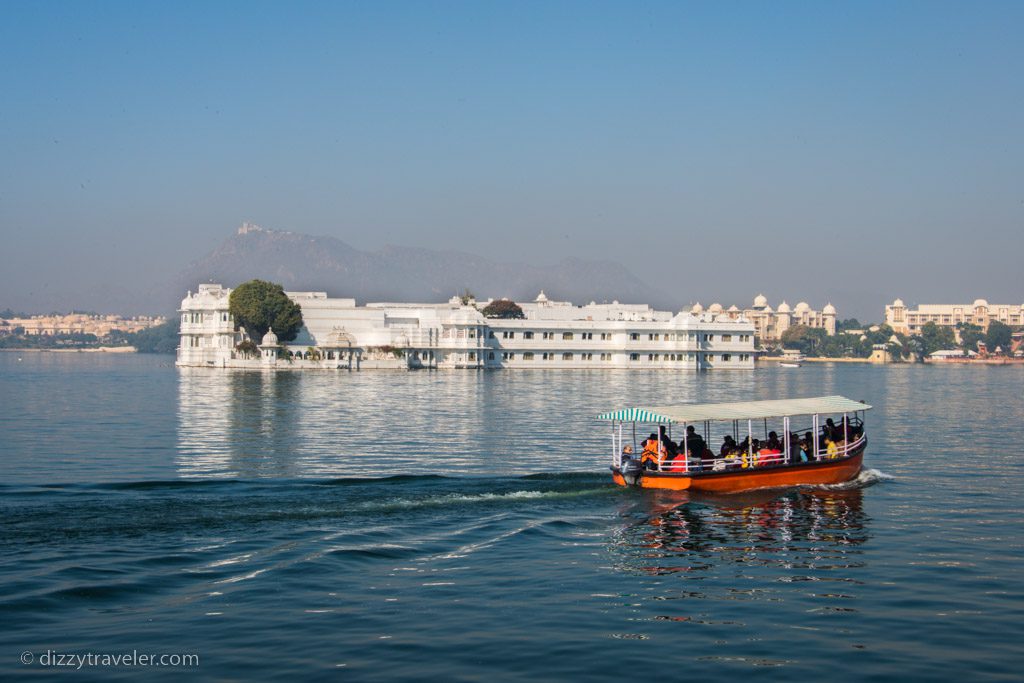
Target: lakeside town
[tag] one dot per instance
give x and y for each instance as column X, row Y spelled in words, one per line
column 466, row 333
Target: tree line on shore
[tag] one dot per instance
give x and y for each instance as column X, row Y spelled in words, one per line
column 815, row 342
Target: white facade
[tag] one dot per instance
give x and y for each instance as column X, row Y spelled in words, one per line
column 769, row 323
column 554, row 334
column 910, row 321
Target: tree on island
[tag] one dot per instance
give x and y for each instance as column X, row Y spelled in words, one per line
column 503, row 308
column 999, row 335
column 970, row 335
column 259, row 306
column 935, row 338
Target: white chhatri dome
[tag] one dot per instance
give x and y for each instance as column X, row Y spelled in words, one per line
column 898, row 304
column 980, row 303
column 760, row 301
column 269, row 339
column 784, row 307
column 697, row 308
column 733, row 309
column 541, row 298
column 802, row 306
column 715, row 308
column 829, row 309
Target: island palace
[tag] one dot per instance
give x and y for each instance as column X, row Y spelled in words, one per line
column 553, row 334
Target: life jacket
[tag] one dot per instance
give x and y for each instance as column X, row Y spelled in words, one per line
column 678, row 464
column 832, row 451
column 651, row 452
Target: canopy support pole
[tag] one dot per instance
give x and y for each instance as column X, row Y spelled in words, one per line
column 815, row 424
column 686, row 448
column 750, row 443
column 785, row 438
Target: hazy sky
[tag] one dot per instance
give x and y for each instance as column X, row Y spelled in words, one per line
column 851, row 152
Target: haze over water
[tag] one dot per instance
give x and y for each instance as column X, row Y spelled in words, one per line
column 462, row 526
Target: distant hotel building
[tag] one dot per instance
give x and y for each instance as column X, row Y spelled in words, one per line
column 770, row 324
column 554, row 334
column 980, row 313
column 78, row 323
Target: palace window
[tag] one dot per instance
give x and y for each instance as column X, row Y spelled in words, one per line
column 586, row 335
column 508, row 356
column 490, row 355
column 527, row 335
column 606, row 356
column 566, row 356
column 634, row 356
column 634, row 336
column 726, row 357
column 727, row 337
column 606, row 336
column 528, row 355
column 566, row 336
column 549, row 356
column 650, row 356
column 549, row 335
column 508, row 334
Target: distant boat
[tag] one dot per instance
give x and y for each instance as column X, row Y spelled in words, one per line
column 790, row 364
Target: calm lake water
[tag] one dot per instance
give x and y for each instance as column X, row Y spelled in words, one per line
column 462, row 526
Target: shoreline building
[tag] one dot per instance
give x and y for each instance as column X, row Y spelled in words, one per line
column 909, row 321
column 553, row 334
column 78, row 323
column 769, row 324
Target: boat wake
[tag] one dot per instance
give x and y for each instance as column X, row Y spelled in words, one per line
column 866, row 478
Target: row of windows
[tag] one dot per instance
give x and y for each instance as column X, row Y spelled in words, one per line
column 607, row 336
column 198, row 317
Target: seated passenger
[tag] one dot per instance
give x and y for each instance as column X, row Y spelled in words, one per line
column 653, row 454
column 795, row 454
column 670, row 446
column 807, row 445
column 728, row 445
column 831, row 450
column 773, row 442
column 627, row 453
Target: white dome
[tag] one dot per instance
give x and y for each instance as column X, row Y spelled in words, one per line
column 898, row 304
column 541, row 298
column 697, row 308
column 760, row 301
column 715, row 308
column 802, row 306
column 339, row 338
column 829, row 309
column 979, row 303
column 269, row 339
column 784, row 307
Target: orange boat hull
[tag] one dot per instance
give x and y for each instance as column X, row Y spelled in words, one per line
column 827, row 472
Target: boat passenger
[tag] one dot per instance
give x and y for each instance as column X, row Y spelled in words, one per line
column 807, row 445
column 668, row 443
column 831, row 450
column 830, row 431
column 728, row 445
column 695, row 448
column 654, row 453
column 773, row 442
column 795, row 456
column 627, row 453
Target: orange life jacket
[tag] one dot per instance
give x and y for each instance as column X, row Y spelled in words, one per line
column 652, row 453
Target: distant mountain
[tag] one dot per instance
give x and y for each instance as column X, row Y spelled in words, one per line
column 305, row 262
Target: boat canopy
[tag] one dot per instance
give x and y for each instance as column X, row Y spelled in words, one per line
column 743, row 410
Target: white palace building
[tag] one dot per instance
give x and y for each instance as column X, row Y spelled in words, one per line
column 554, row 334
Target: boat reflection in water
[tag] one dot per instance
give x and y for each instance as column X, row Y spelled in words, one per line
column 761, row 538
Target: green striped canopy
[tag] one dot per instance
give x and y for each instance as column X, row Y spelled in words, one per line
column 743, row 410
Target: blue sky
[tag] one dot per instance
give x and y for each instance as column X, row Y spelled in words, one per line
column 821, row 151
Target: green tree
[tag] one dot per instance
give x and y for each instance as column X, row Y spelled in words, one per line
column 806, row 339
column 970, row 335
column 159, row 339
column 999, row 334
column 848, row 324
column 503, row 308
column 935, row 338
column 258, row 306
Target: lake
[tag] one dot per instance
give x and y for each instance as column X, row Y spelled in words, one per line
column 462, row 526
